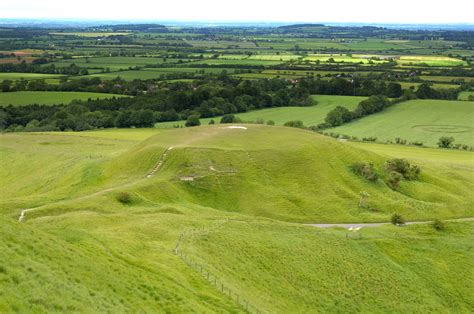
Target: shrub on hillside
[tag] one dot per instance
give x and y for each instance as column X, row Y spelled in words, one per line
column 369, row 139
column 230, row 118
column 403, row 167
column 295, row 124
column 394, row 179
column 400, row 141
column 124, row 197
column 439, row 225
column 365, row 170
column 193, row 120
column 446, row 142
column 397, row 219
column 212, row 122
column 270, row 122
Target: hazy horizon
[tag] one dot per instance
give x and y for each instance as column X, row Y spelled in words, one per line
column 247, row 11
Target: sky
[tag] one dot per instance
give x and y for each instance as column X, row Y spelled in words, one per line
column 368, row 11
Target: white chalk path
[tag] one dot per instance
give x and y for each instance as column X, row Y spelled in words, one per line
column 378, row 224
column 160, row 163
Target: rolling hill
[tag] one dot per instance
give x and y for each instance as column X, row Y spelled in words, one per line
column 235, row 197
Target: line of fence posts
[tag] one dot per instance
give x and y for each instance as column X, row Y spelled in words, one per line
column 213, row 279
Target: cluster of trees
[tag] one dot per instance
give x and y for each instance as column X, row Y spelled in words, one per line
column 170, row 103
column 37, row 67
column 355, row 87
column 341, row 115
column 115, row 86
column 424, row 91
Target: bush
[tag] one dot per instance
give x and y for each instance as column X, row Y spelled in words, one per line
column 212, row 122
column 400, row 141
column 124, row 197
column 397, row 219
column 446, row 142
column 295, row 124
column 365, row 170
column 338, row 116
column 439, row 225
column 193, row 120
column 369, row 139
column 270, row 122
column 403, row 167
column 394, row 179
column 230, row 118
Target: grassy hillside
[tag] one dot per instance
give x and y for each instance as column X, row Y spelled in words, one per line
column 275, row 172
column 285, row 268
column 47, row 268
column 94, row 253
column 309, row 115
column 417, row 120
column 48, row 98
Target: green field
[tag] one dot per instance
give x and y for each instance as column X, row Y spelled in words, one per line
column 89, row 249
column 312, row 115
column 90, row 34
column 48, row 98
column 417, row 120
column 414, row 85
column 430, row 61
column 27, row 76
column 465, row 95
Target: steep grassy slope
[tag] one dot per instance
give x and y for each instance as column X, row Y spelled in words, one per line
column 418, row 120
column 37, row 169
column 285, row 268
column 70, row 269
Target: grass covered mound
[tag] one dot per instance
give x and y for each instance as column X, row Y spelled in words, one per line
column 103, row 234
column 276, row 172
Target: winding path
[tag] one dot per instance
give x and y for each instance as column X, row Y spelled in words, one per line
column 378, row 224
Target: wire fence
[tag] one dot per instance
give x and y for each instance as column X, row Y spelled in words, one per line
column 210, row 277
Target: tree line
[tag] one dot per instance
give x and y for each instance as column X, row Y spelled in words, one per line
column 203, row 98
column 171, row 102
